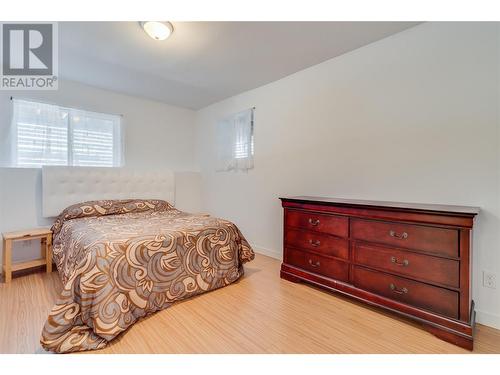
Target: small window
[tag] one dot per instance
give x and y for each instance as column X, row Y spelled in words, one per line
column 46, row 134
column 235, row 145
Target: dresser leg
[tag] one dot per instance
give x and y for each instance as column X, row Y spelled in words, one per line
column 289, row 277
column 465, row 342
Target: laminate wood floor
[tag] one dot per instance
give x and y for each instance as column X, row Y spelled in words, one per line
column 259, row 314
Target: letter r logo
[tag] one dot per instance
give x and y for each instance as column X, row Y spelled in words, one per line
column 27, row 49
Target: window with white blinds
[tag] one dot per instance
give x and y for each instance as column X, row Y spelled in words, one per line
column 47, row 134
column 235, row 142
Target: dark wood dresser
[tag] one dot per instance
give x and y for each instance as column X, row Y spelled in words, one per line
column 412, row 259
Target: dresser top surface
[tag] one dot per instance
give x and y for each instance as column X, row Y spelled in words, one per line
column 467, row 210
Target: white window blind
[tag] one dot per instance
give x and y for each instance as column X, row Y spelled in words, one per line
column 46, row 134
column 235, row 146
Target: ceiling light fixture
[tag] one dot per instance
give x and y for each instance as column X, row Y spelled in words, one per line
column 157, row 30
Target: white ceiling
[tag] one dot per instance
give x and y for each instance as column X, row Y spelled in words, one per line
column 204, row 62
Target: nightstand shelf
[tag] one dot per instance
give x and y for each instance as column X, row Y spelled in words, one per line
column 45, row 236
column 29, row 264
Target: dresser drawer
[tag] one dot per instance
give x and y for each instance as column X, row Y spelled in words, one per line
column 424, row 267
column 418, row 237
column 433, row 298
column 330, row 224
column 320, row 243
column 328, row 267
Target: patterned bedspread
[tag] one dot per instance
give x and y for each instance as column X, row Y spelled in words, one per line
column 121, row 260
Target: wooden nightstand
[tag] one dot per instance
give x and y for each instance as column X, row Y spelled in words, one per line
column 45, row 236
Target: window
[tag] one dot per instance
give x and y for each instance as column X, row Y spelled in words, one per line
column 46, row 134
column 236, row 141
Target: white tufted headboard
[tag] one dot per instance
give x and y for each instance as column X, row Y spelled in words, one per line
column 64, row 186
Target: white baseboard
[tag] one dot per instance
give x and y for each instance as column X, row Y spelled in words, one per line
column 268, row 252
column 488, row 319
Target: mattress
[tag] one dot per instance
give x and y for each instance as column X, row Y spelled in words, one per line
column 120, row 260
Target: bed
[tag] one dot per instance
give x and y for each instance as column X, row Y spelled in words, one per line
column 120, row 260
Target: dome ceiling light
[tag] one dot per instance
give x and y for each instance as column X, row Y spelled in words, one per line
column 157, row 30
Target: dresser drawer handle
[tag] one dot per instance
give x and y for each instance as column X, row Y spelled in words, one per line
column 404, row 263
column 314, row 222
column 396, row 290
column 315, row 243
column 401, row 236
column 315, row 264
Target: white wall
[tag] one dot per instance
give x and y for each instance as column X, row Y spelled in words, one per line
column 413, row 117
column 156, row 135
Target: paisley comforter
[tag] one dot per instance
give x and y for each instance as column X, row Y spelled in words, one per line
column 120, row 260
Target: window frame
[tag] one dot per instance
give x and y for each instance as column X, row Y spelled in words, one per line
column 117, row 140
column 235, row 139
